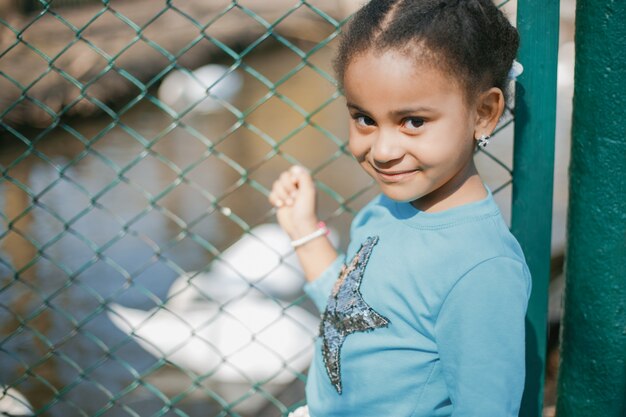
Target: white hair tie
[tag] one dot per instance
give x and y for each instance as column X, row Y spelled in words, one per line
column 516, row 70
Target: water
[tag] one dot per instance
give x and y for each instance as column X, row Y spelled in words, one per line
column 119, row 219
column 103, row 211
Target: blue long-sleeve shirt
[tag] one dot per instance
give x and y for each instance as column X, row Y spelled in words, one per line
column 426, row 318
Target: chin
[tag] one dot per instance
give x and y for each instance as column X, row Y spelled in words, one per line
column 401, row 197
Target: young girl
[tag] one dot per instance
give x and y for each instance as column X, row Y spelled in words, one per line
column 424, row 315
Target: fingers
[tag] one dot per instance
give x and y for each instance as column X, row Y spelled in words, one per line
column 294, row 183
column 303, row 179
column 283, row 190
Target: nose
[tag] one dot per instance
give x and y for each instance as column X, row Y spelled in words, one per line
column 386, row 148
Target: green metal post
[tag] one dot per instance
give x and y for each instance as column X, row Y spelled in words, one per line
column 533, row 166
column 592, row 375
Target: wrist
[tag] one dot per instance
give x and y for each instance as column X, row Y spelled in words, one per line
column 304, row 228
column 320, row 231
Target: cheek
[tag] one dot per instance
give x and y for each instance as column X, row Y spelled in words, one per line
column 448, row 145
column 357, row 145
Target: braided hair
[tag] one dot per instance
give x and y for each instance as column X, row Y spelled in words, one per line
column 471, row 40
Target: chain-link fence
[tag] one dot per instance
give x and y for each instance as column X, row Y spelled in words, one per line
column 142, row 273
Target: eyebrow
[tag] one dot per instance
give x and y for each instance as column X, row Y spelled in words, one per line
column 355, row 107
column 397, row 113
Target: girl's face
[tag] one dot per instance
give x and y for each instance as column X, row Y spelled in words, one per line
column 411, row 129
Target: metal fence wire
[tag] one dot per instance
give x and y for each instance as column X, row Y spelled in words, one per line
column 142, row 272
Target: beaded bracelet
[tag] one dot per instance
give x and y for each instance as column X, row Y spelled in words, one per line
column 322, row 230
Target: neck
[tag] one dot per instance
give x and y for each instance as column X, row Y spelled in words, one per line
column 465, row 187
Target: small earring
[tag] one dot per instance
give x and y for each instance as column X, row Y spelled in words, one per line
column 483, row 140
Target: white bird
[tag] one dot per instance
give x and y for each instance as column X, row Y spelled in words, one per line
column 249, row 339
column 236, row 343
column 265, row 259
column 228, row 324
column 14, row 404
column 202, row 88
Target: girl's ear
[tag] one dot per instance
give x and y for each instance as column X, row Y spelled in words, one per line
column 489, row 108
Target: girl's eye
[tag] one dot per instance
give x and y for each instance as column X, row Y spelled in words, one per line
column 413, row 122
column 364, row 120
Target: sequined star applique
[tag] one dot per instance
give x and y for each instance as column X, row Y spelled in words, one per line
column 347, row 312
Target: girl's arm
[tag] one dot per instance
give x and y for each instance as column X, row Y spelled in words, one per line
column 480, row 334
column 293, row 195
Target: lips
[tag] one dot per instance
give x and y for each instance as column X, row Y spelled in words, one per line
column 395, row 176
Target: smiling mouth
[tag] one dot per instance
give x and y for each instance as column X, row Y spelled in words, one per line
column 395, row 176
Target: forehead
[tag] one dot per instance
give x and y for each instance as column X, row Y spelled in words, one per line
column 393, row 78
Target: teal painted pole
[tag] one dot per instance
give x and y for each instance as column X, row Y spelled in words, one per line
column 533, row 167
column 592, row 374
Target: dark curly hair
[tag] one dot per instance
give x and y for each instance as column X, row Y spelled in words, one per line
column 472, row 40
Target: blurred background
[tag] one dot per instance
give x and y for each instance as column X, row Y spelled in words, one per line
column 141, row 269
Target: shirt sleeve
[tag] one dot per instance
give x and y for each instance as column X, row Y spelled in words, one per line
column 319, row 289
column 481, row 337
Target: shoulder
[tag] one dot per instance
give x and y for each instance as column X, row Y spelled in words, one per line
column 492, row 295
column 380, row 207
column 499, row 277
